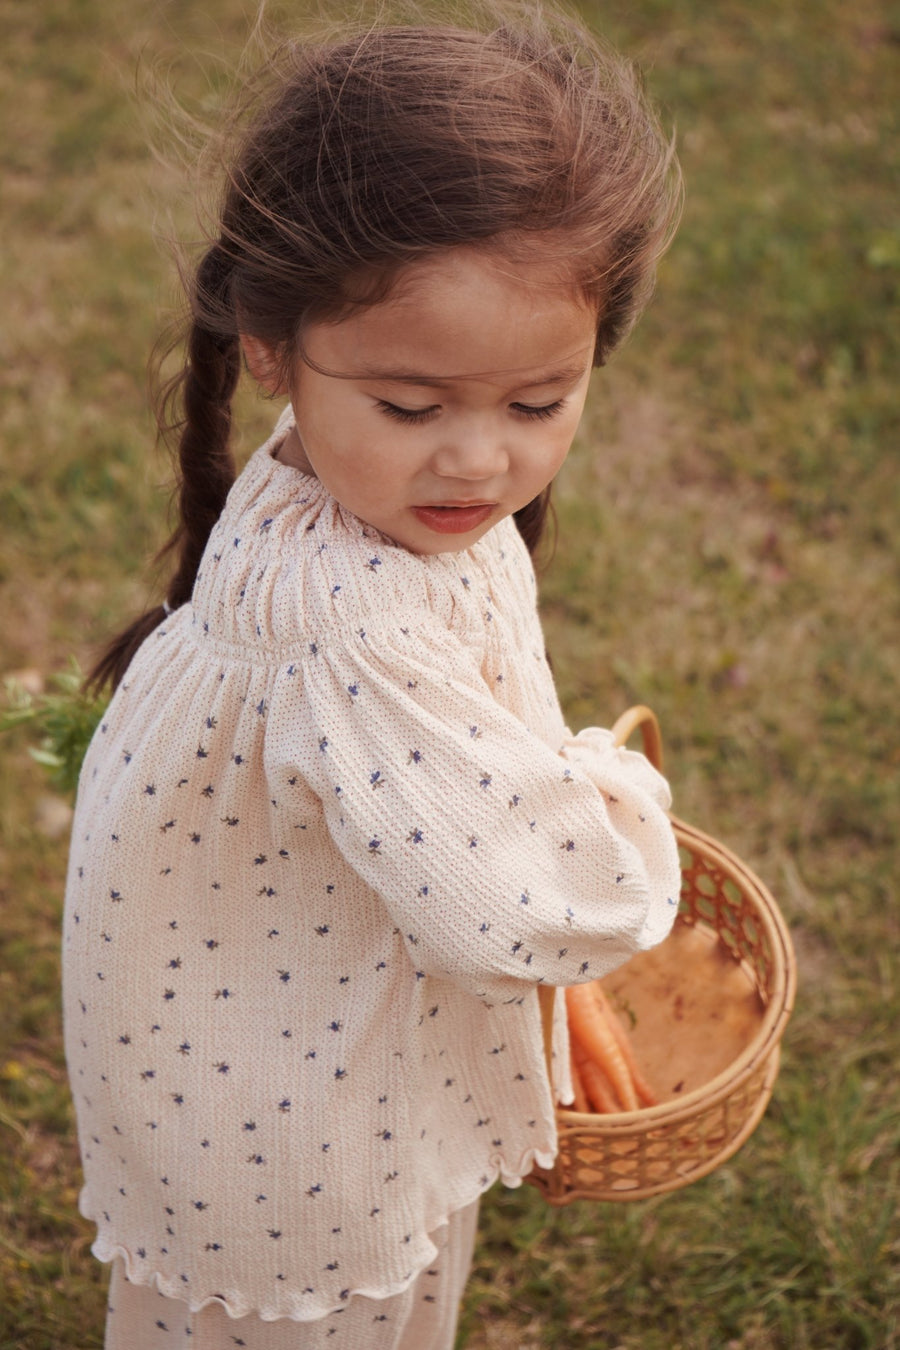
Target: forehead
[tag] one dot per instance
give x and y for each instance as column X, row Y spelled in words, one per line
column 466, row 313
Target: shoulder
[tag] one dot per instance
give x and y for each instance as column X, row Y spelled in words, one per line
column 286, row 561
column 354, row 574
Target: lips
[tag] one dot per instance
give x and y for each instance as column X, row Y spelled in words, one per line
column 454, row 517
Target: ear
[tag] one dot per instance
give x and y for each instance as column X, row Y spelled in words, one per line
column 263, row 364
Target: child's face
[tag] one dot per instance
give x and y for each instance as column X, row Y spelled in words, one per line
column 460, row 398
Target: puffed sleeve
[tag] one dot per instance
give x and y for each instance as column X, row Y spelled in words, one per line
column 500, row 860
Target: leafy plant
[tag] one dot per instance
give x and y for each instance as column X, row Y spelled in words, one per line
column 64, row 720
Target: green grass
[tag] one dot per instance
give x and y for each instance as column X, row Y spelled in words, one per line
column 727, row 528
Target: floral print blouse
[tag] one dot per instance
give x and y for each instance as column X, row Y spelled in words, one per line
column 330, row 837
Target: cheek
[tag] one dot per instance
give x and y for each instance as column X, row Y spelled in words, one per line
column 562, row 442
column 547, row 464
column 326, row 441
column 358, row 470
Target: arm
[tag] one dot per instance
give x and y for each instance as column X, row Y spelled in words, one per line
column 500, row 861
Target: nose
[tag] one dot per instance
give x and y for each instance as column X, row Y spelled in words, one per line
column 472, row 455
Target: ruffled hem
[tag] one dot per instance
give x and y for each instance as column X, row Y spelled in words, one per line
column 237, row 1304
column 233, row 1302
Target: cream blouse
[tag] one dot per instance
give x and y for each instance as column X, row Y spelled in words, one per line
column 329, row 838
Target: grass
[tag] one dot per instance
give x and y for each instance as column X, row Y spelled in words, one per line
column 727, row 528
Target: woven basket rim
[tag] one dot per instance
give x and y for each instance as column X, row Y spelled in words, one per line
column 703, row 1168
column 767, row 1036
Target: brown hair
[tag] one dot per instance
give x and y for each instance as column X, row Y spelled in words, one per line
column 385, row 146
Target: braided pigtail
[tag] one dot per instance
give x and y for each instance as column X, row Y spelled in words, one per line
column 206, row 470
column 205, row 463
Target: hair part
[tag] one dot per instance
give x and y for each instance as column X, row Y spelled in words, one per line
column 374, row 150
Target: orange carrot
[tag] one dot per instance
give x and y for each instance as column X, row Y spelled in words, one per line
column 591, row 1030
column 597, row 1086
column 641, row 1086
column 581, row 1102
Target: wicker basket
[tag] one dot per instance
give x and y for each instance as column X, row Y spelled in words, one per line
column 730, row 935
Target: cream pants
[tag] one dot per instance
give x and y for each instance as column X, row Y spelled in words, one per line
column 422, row 1318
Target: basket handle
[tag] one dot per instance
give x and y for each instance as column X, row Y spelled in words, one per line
column 641, row 716
column 623, row 728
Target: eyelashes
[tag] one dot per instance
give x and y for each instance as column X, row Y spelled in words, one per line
column 540, row 412
column 409, row 416
column 418, row 416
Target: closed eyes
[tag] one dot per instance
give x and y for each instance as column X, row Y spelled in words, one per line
column 417, row 416
column 539, row 412
column 409, row 416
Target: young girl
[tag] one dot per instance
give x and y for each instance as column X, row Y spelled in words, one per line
column 333, row 833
